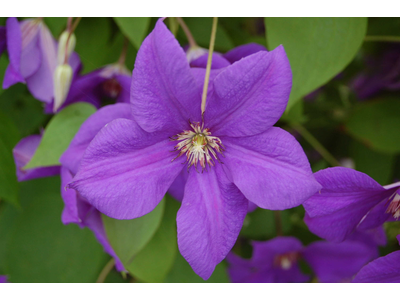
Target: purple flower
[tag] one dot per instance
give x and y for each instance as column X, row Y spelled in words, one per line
column 3, row 279
column 233, row 156
column 32, row 51
column 277, row 260
column 23, row 153
column 349, row 200
column 383, row 270
column 3, row 40
column 77, row 210
column 112, row 81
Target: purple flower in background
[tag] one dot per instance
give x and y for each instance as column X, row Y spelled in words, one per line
column 3, row 279
column 32, row 51
column 130, row 165
column 381, row 73
column 277, row 260
column 385, row 269
column 3, row 40
column 77, row 210
column 112, row 81
column 23, row 153
column 349, row 200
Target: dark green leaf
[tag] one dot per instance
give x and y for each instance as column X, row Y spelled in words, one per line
column 56, row 25
column 317, row 48
column 134, row 29
column 128, row 237
column 376, row 124
column 154, row 261
column 9, row 137
column 59, row 133
column 38, row 247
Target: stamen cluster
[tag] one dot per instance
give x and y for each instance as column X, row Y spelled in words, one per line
column 287, row 260
column 199, row 146
column 394, row 206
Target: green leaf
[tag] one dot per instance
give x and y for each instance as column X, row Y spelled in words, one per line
column 154, row 261
column 259, row 224
column 92, row 42
column 56, row 25
column 181, row 272
column 317, row 48
column 128, row 237
column 376, row 124
column 134, row 29
column 377, row 165
column 37, row 247
column 3, row 67
column 9, row 137
column 59, row 133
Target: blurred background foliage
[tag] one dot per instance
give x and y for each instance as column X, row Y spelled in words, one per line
column 332, row 123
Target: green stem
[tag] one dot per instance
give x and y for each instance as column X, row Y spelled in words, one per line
column 315, row 144
column 382, row 38
column 189, row 36
column 107, row 269
column 208, row 68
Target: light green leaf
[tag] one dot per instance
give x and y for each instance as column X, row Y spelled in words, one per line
column 154, row 261
column 376, row 124
column 128, row 237
column 317, row 48
column 134, row 29
column 37, row 247
column 9, row 137
column 59, row 133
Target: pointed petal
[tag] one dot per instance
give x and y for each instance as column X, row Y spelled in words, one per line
column 385, row 269
column 337, row 262
column 72, row 156
column 346, row 197
column 239, row 52
column 11, row 77
column 125, row 171
column 14, row 43
column 218, row 62
column 40, row 84
column 163, row 92
column 30, row 55
column 23, row 153
column 250, row 95
column 270, row 169
column 209, row 220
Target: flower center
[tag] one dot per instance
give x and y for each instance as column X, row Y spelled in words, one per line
column 199, row 146
column 286, row 261
column 394, row 206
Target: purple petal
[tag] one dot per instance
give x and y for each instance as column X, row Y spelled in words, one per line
column 270, row 169
column 125, row 171
column 376, row 216
column 241, row 270
column 209, row 220
column 23, row 153
column 385, row 269
column 3, row 40
column 125, row 83
column 164, row 95
column 346, row 197
column 218, row 62
column 337, row 262
column 3, row 279
column 40, row 84
column 250, row 95
column 242, row 51
column 265, row 252
column 178, row 186
column 30, row 55
column 72, row 156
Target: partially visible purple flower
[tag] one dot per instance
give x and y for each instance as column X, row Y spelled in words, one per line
column 349, row 200
column 23, row 153
column 385, row 269
column 3, row 40
column 112, row 81
column 130, row 165
column 277, row 260
column 3, row 279
column 381, row 73
column 32, row 51
column 77, row 210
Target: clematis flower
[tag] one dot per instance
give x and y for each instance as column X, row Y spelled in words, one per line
column 77, row 210
column 32, row 51
column 277, row 260
column 23, row 153
column 349, row 200
column 233, row 154
column 385, row 269
column 112, row 81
